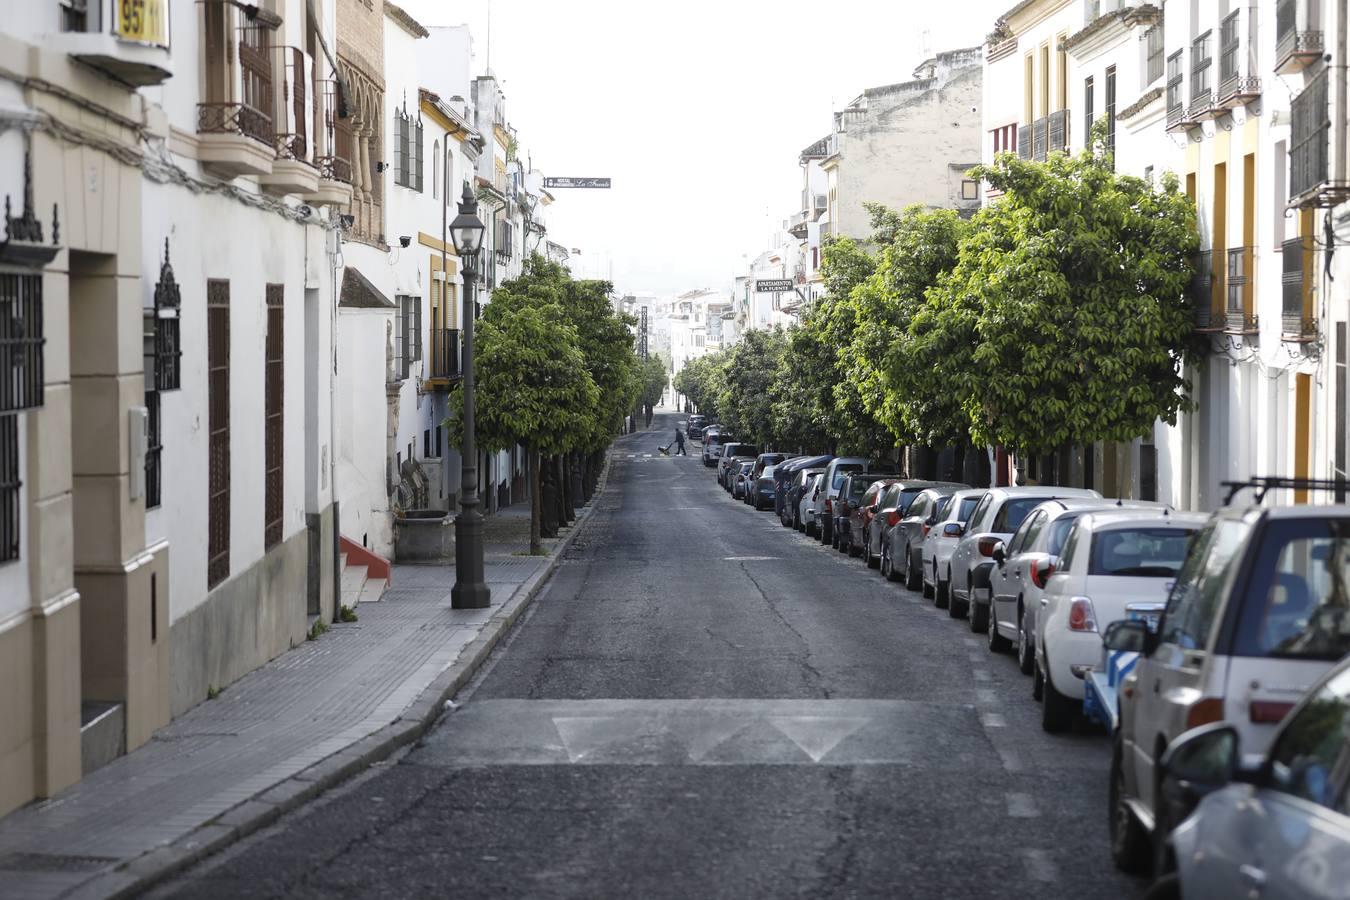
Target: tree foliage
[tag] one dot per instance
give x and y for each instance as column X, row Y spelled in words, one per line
column 745, row 399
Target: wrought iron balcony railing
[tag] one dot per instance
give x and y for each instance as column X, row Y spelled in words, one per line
column 1239, row 315
column 443, row 363
column 1295, row 322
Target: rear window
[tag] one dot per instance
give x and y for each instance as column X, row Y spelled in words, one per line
column 1297, row 603
column 740, row 450
column 856, row 488
column 1139, row 552
column 1009, row 518
column 842, row 471
column 767, row 472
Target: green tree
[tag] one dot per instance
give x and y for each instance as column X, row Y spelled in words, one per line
column 700, row 382
column 1071, row 290
column 653, row 381
column 746, row 397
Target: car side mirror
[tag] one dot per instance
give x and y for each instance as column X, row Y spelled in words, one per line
column 1000, row 553
column 1197, row 763
column 1129, row 636
column 952, row 529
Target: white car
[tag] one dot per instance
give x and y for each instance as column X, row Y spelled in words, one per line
column 995, row 519
column 1110, row 559
column 806, row 507
column 942, row 540
column 1025, row 563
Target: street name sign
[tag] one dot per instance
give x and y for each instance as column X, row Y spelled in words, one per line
column 773, row 285
column 576, row 182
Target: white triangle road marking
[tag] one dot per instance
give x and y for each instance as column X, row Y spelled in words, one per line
column 816, row 735
column 582, row 735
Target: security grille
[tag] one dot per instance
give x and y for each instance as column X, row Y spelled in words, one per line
column 218, row 427
column 1088, row 111
column 21, row 342
column 1176, row 107
column 1292, row 287
column 1202, row 66
column 154, row 450
column 274, row 435
column 1153, row 54
column 9, row 488
column 1024, row 142
column 1111, row 113
column 1308, row 154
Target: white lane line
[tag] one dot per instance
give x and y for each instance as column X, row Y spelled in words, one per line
column 1021, row 806
column 1039, row 866
column 981, row 675
column 748, row 558
column 993, row 720
column 986, row 696
column 1012, row 763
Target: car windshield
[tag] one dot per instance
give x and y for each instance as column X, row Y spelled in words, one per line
column 1139, row 552
column 856, row 488
column 906, row 499
column 967, row 507
column 1057, row 532
column 1297, row 602
column 1009, row 517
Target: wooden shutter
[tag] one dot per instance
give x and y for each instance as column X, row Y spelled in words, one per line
column 218, row 428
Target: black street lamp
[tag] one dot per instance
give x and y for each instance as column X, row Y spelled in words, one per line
column 470, row 590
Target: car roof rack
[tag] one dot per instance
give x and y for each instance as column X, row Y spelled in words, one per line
column 1263, row 484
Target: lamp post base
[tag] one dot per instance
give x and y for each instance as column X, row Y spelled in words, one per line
column 470, row 590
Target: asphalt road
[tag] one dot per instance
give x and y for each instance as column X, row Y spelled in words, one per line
column 705, row 704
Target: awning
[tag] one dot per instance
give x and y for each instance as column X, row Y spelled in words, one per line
column 359, row 293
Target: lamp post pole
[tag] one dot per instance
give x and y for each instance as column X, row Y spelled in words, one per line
column 470, row 590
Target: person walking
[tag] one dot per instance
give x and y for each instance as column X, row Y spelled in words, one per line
column 679, row 442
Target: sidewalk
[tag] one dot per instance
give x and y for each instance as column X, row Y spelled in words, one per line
column 279, row 736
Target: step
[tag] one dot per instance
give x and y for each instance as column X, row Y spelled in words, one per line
column 353, row 581
column 373, row 590
column 103, row 734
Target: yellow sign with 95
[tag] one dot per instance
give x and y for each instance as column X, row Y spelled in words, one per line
column 146, row 21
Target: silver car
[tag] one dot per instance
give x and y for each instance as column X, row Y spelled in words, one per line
column 1279, row 829
column 808, row 504
column 902, row 553
column 1259, row 612
column 942, row 540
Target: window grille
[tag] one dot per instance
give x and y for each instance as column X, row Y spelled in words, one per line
column 416, row 149
column 1308, row 151
column 1088, row 111
column 9, row 488
column 218, row 428
column 274, row 413
column 1111, row 112
column 401, row 137
column 1153, row 54
column 154, row 450
column 21, row 342
column 1176, row 107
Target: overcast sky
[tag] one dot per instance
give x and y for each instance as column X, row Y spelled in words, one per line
column 697, row 110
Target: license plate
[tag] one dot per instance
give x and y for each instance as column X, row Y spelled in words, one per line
column 1150, row 619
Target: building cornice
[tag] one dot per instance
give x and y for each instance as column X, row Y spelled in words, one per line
column 1111, row 27
column 1030, row 12
column 405, row 21
column 1138, row 106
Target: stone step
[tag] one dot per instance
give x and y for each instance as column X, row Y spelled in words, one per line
column 373, row 590
column 353, row 581
column 103, row 734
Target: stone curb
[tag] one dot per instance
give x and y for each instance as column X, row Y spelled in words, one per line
column 137, row 875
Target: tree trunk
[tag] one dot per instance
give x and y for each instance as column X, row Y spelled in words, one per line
column 536, row 502
column 574, row 473
column 566, row 513
column 548, row 498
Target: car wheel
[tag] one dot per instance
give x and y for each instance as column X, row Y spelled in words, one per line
column 997, row 642
column 1129, row 840
column 1037, row 680
column 867, row 557
column 1026, row 653
column 1058, row 712
column 913, row 576
column 834, row 540
column 888, row 565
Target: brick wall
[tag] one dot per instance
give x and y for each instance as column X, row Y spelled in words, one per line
column 360, row 35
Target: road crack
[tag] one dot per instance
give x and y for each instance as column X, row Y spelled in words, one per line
column 811, row 676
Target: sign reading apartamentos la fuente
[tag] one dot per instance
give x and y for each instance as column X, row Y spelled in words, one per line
column 576, row 182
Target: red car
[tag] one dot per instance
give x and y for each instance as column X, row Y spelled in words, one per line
column 860, row 513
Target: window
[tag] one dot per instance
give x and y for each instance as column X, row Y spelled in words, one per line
column 1045, row 80
column 9, row 488
column 1202, row 61
column 1175, row 76
column 970, row 189
column 163, row 355
column 218, row 431
column 906, row 500
column 1309, row 151
column 438, row 442
column 1029, row 88
column 1023, row 537
column 435, row 169
column 274, row 423
column 21, row 342
column 1061, row 73
column 408, row 340
column 978, row 516
column 1012, row 512
column 1195, row 598
column 1294, row 606
column 1139, row 552
column 1087, row 112
column 1153, row 55
column 1111, row 112
column 1071, row 542
column 407, row 150
column 1309, row 756
column 1058, row 531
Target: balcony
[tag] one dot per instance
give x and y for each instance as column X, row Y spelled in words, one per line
column 443, row 362
column 331, row 148
column 294, row 170
column 1310, row 183
column 1044, row 136
column 1239, row 318
column 1297, row 42
column 1202, row 293
column 235, row 121
column 1202, row 70
column 129, row 42
column 796, row 226
column 1296, row 321
column 1238, row 82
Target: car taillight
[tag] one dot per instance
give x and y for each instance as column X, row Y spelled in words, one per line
column 892, row 518
column 1203, row 712
column 986, row 545
column 1041, row 572
column 1082, row 617
column 829, row 505
column 925, row 529
column 1268, row 712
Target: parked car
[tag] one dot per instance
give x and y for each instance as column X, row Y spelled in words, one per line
column 762, row 496
column 1111, row 558
column 731, row 450
column 713, row 436
column 693, row 429
column 863, row 514
column 808, row 506
column 767, row 459
column 784, row 476
column 891, row 507
column 995, row 519
column 1257, row 614
column 802, row 485
column 1029, row 558
column 837, row 469
column 849, row 499
column 740, row 476
column 942, row 540
column 902, row 555
column 1276, row 828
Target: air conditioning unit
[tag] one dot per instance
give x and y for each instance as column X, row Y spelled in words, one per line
column 822, row 201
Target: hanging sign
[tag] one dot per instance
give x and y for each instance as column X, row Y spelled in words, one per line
column 144, row 21
column 773, row 285
column 576, row 182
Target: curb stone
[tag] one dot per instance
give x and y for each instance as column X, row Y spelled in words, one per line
column 140, row 873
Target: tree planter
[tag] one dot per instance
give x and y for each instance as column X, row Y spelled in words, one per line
column 424, row 535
